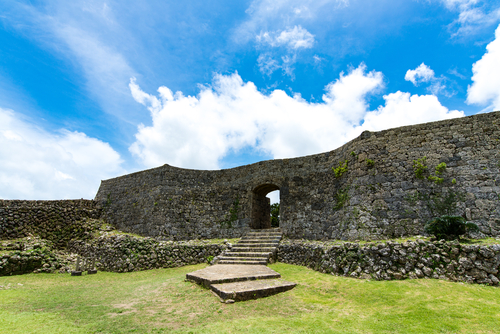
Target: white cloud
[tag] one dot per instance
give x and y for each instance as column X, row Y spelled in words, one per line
column 198, row 131
column 294, row 38
column 35, row 164
column 402, row 109
column 267, row 64
column 281, row 13
column 423, row 73
column 473, row 15
column 485, row 88
column 87, row 36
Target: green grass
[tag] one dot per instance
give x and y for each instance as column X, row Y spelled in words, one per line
column 160, row 301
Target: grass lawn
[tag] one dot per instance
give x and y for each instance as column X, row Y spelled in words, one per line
column 160, row 301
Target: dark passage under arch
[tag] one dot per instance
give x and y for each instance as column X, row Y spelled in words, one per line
column 261, row 206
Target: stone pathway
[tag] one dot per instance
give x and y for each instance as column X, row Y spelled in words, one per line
column 241, row 273
column 256, row 247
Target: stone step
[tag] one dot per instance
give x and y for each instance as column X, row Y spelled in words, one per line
column 257, row 234
column 265, row 245
column 244, row 258
column 241, row 272
column 254, row 241
column 263, row 233
column 244, row 261
column 252, row 249
column 260, row 236
column 226, row 273
column 248, row 254
column 240, row 291
column 267, row 230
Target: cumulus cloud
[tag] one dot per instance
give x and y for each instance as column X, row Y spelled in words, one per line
column 423, row 73
column 404, row 109
column 485, row 88
column 198, row 131
column 293, row 38
column 35, row 164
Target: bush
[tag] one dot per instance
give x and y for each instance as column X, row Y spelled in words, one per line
column 342, row 197
column 449, row 227
column 419, row 167
column 341, row 169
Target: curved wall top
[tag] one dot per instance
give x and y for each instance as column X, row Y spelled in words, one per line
column 369, row 201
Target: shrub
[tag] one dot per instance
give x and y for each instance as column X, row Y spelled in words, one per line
column 449, row 227
column 342, row 197
column 435, row 179
column 440, row 168
column 370, row 162
column 341, row 169
column 419, row 167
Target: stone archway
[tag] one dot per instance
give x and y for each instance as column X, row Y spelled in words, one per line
column 261, row 206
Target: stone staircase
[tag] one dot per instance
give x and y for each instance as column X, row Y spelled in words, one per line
column 256, row 247
column 241, row 273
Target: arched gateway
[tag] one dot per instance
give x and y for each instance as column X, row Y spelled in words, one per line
column 368, row 200
column 261, row 206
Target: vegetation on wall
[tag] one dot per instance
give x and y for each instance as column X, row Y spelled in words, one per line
column 449, row 227
column 442, row 203
column 233, row 215
column 341, row 197
column 341, row 169
column 419, row 167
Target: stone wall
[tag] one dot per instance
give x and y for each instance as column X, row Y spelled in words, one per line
column 32, row 255
column 391, row 260
column 117, row 253
column 124, row 253
column 57, row 221
column 378, row 197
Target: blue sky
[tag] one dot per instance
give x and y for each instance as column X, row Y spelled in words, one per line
column 91, row 90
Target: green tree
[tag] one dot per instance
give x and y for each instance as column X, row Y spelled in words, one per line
column 275, row 215
column 449, row 227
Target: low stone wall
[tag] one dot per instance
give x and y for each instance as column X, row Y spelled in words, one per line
column 58, row 221
column 32, row 255
column 124, row 253
column 25, row 262
column 391, row 260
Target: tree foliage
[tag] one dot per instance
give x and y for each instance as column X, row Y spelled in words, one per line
column 449, row 227
column 275, row 215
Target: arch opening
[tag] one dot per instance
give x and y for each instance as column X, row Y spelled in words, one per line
column 274, row 196
column 261, row 206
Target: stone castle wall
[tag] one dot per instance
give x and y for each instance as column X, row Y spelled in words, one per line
column 379, row 196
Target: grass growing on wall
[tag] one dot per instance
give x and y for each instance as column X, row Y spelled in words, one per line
column 160, row 301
